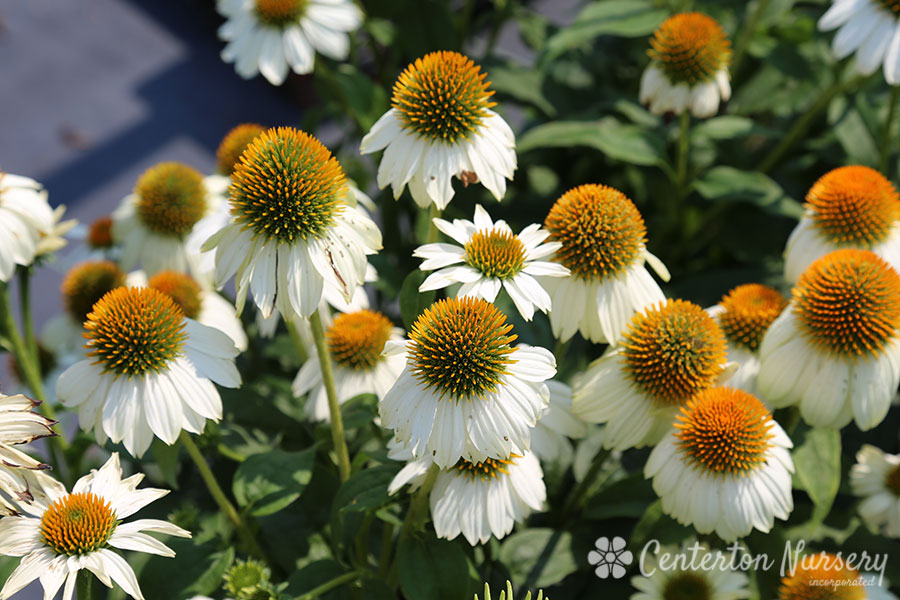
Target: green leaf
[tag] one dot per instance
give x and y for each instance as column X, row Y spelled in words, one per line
column 431, row 569
column 197, row 571
column 366, row 101
column 166, row 458
column 624, row 142
column 852, row 133
column 727, row 184
column 625, row 498
column 723, row 128
column 313, row 575
column 268, row 482
column 538, row 557
column 412, row 302
column 818, row 468
column 366, row 490
column 655, row 524
column 521, row 84
column 624, row 18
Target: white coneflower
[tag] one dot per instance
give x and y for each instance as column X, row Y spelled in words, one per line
column 684, row 582
column 295, row 224
column 828, row 576
column 668, row 354
column 93, row 243
column 25, row 220
column 83, row 285
column 744, row 314
column 441, row 126
column 688, row 69
column 19, row 424
column 66, row 532
column 152, row 224
column 228, row 154
column 356, row 343
column 466, row 391
column 149, row 371
column 271, row 36
column 876, row 478
column 486, row 498
column 196, row 302
column 871, row 28
column 492, row 257
column 476, row 499
column 550, row 437
column 835, row 350
column 849, row 207
column 203, row 264
column 603, row 241
column 725, row 466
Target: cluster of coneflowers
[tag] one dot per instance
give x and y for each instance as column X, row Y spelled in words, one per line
column 147, row 337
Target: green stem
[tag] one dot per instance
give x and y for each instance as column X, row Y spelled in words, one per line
column 681, row 157
column 334, row 407
column 415, row 516
column 330, row 585
column 885, row 141
column 802, row 124
column 83, row 583
column 559, row 351
column 740, row 46
column 27, row 321
column 464, row 21
column 387, row 544
column 432, row 233
column 215, row 490
column 573, row 502
column 27, row 364
column 418, row 508
column 302, row 354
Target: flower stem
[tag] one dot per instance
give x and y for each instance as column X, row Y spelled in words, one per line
column 302, row 354
column 418, row 508
column 681, row 157
column 83, row 583
column 27, row 320
column 803, row 123
column 28, row 361
column 334, row 408
column 215, row 490
column 330, row 585
column 573, row 502
column 432, row 234
column 885, row 141
column 418, row 511
column 740, row 45
column 387, row 544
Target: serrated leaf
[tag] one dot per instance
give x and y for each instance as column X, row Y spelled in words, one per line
column 270, row 481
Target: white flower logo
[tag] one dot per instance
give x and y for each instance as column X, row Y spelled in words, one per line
column 611, row 557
